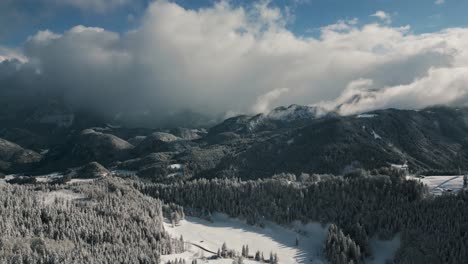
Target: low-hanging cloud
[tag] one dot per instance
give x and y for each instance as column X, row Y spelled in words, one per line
column 230, row 59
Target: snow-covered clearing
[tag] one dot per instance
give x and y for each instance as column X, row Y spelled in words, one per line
column 272, row 238
column 367, row 115
column 441, row 184
column 82, row 180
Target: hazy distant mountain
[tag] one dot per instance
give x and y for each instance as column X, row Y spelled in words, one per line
column 288, row 139
column 433, row 138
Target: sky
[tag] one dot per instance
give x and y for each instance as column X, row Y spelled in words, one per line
column 224, row 58
column 21, row 18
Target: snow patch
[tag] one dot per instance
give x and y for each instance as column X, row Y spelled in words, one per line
column 172, row 175
column 126, row 173
column 82, row 180
column 376, row 136
column 45, row 151
column 367, row 115
column 175, row 166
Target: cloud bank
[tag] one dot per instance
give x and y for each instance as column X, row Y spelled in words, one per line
column 239, row 59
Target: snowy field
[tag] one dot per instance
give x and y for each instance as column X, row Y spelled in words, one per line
column 441, row 184
column 272, row 238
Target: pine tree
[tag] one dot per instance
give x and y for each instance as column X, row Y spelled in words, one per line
column 224, row 250
column 257, row 256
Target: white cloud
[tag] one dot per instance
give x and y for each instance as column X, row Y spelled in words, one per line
column 440, row 86
column 264, row 101
column 226, row 59
column 43, row 37
column 439, row 2
column 11, row 54
column 384, row 17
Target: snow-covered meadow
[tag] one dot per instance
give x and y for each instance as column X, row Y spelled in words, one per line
column 441, row 184
column 235, row 233
column 272, row 238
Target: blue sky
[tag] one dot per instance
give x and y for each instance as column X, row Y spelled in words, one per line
column 309, row 15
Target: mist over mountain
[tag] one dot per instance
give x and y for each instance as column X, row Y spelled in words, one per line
column 287, row 139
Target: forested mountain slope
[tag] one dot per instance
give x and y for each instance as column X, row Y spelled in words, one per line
column 288, row 139
column 102, row 222
column 435, row 138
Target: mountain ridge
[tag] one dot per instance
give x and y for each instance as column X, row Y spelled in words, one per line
column 288, row 139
